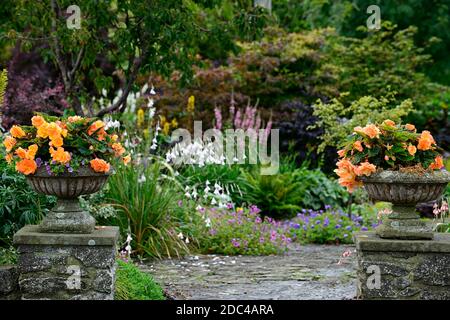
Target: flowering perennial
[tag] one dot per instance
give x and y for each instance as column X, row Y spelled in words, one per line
column 387, row 146
column 63, row 145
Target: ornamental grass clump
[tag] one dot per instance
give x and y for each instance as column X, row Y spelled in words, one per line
column 63, row 145
column 387, row 146
column 243, row 231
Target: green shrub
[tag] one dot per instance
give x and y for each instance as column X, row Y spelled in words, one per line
column 8, row 256
column 133, row 284
column 19, row 205
column 292, row 189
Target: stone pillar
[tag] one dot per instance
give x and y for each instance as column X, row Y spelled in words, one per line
column 403, row 269
column 8, row 283
column 61, row 266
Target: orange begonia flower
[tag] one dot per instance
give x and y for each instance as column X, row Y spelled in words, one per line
column 17, row 132
column 59, row 155
column 118, row 149
column 9, row 143
column 426, row 140
column 9, row 158
column 437, row 164
column 341, row 153
column 347, row 175
column 358, row 146
column 95, row 126
column 412, row 149
column 21, row 153
column 410, row 127
column 57, row 142
column 389, row 123
column 365, row 168
column 99, row 165
column 37, row 121
column 26, row 166
column 372, row 131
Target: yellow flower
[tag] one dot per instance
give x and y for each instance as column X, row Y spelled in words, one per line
column 166, row 128
column 174, row 123
column 140, row 117
column 126, row 160
column 191, row 104
column 17, row 132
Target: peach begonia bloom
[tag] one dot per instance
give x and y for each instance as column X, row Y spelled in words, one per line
column 37, row 121
column 389, row 123
column 126, row 160
column 358, row 129
column 437, row 164
column 9, row 158
column 347, row 175
column 9, row 143
column 17, row 132
column 365, row 168
column 95, row 126
column 27, row 154
column 426, row 140
column 60, row 155
column 412, row 149
column 341, row 153
column 118, row 149
column 410, row 127
column 99, row 165
column 26, row 166
column 358, row 146
column 372, row 131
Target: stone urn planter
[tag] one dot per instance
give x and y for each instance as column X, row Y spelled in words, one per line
column 405, row 190
column 67, row 216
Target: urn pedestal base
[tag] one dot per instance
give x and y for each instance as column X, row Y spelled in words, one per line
column 403, row 269
column 58, row 266
column 67, row 217
column 404, row 223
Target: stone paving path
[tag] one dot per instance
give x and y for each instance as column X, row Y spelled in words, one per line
column 305, row 272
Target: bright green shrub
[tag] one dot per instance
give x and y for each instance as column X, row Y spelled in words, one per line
column 133, row 284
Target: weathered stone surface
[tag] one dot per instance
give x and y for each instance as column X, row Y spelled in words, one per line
column 66, row 266
column 407, row 269
column 8, row 279
column 305, row 272
column 102, row 236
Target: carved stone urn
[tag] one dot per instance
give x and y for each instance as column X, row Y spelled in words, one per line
column 405, row 190
column 67, row 216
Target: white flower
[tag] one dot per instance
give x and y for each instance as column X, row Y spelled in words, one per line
column 198, row 208
column 152, row 91
column 128, row 248
column 188, row 195
column 208, row 222
column 213, row 201
column 194, row 194
column 187, row 240
column 129, row 238
column 180, row 235
column 104, row 92
column 142, row 179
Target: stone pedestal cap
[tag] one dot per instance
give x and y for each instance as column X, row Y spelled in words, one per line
column 102, row 236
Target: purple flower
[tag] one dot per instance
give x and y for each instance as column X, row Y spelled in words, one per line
column 327, row 207
column 38, row 162
column 326, row 222
column 180, row 203
column 295, row 225
column 364, row 229
column 348, row 228
column 338, row 226
column 235, row 243
column 229, row 206
column 345, row 235
column 70, row 169
column 318, row 222
column 258, row 220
